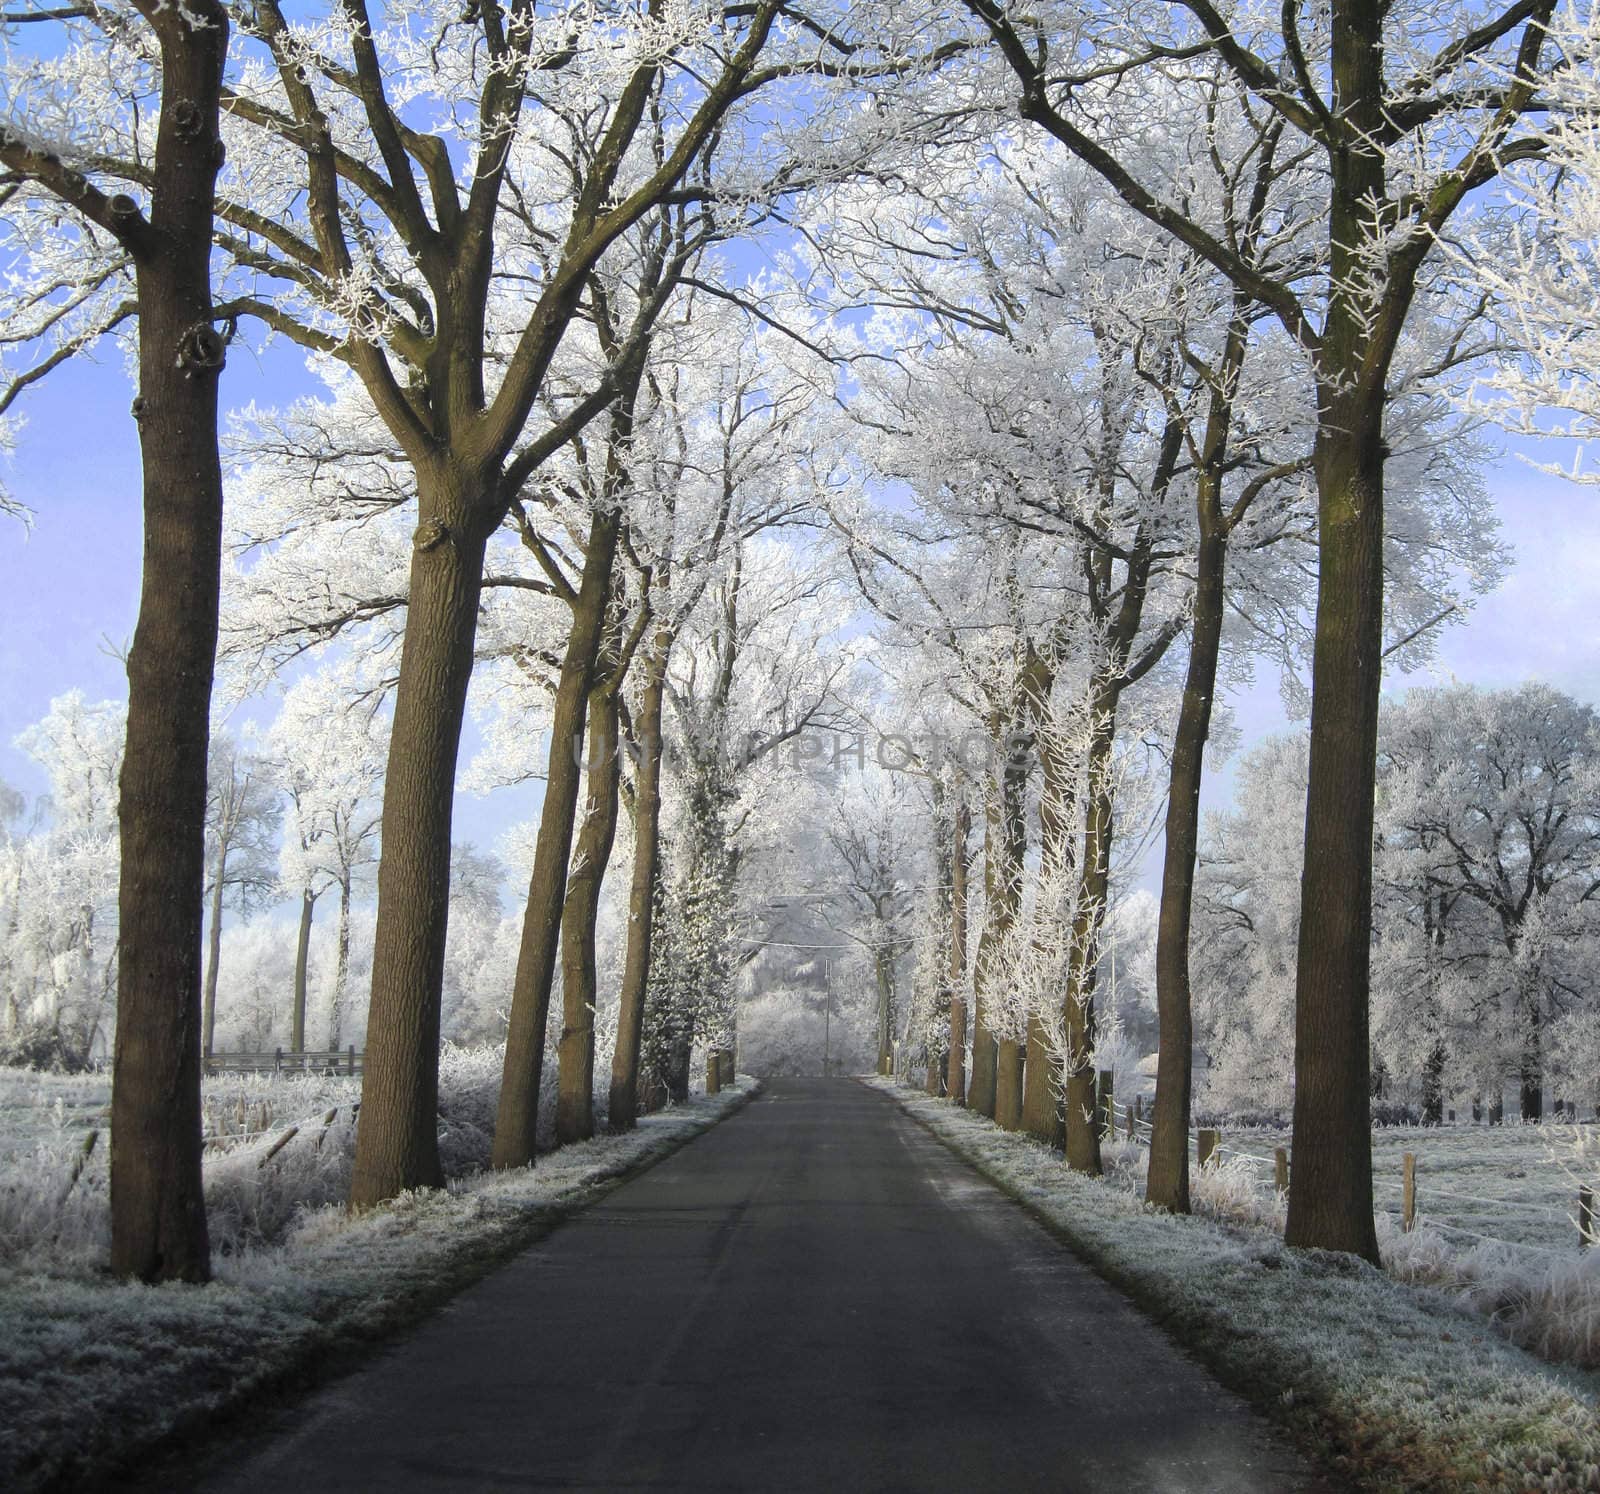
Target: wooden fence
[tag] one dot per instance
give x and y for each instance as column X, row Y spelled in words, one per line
column 282, row 1061
column 1209, row 1152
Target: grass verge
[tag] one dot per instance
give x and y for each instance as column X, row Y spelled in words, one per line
column 1395, row 1387
column 99, row 1379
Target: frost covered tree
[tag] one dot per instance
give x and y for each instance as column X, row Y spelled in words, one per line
column 1405, row 114
column 328, row 743
column 560, row 140
column 750, row 698
column 58, row 887
column 1485, row 920
column 243, row 813
column 1487, row 799
column 877, row 866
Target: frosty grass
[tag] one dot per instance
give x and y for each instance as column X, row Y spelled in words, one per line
column 1396, row 1378
column 96, row 1374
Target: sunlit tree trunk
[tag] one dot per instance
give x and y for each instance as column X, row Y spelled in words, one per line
column 213, row 951
column 341, row 969
column 1330, row 1202
column 397, row 1133
column 302, row 959
column 623, row 1108
column 579, row 984
column 517, row 1121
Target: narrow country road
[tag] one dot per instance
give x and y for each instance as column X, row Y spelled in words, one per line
column 814, row 1295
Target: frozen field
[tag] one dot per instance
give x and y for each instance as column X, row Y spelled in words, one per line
column 1512, row 1183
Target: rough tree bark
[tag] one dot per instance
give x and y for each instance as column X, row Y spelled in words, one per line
column 997, row 1086
column 1042, row 1114
column 302, row 959
column 623, row 1109
column 590, row 857
column 208, row 1019
column 956, row 1077
column 397, row 1133
column 518, row 1117
column 341, row 969
column 158, row 1226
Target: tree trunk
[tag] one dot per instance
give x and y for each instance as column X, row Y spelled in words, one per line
column 1008, row 1085
column 1168, row 1183
column 302, row 952
column 579, row 982
column 397, row 1135
column 516, row 1124
column 208, row 1021
column 985, row 1054
column 678, row 1066
column 1531, row 1070
column 341, row 969
column 1005, row 843
column 882, row 966
column 623, row 1110
column 158, row 1225
column 1433, row 1086
column 1083, row 1138
column 956, row 1078
column 1330, row 1202
column 1042, row 1113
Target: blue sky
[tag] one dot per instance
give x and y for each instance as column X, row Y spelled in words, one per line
column 73, row 582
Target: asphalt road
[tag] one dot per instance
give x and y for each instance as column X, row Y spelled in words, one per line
column 813, row 1295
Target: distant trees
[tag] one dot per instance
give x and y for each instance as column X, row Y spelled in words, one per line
column 1487, row 915
column 242, row 814
column 58, row 889
column 327, row 750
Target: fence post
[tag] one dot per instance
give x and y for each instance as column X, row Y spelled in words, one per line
column 1105, row 1116
column 1280, row 1168
column 1206, row 1141
column 1408, row 1201
column 1138, row 1108
column 1133, row 1128
column 713, row 1072
column 352, row 1058
column 277, row 1062
column 1585, row 1218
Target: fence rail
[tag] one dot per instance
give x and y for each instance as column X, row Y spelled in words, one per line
column 284, row 1061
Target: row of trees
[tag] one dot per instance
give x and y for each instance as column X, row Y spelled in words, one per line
column 1175, row 347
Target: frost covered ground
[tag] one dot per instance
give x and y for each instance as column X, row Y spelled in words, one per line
column 1511, row 1183
column 1399, row 1383
column 95, row 1374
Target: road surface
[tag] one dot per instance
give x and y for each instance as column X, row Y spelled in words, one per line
column 814, row 1295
